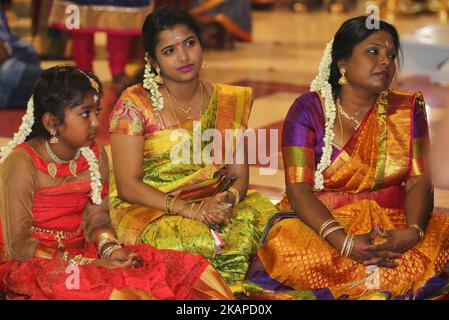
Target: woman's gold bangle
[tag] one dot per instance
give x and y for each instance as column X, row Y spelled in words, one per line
column 420, row 231
column 350, row 246
column 329, row 231
column 325, row 225
column 192, row 206
column 104, row 242
column 198, row 209
column 171, row 205
column 236, row 194
column 104, row 235
column 169, row 201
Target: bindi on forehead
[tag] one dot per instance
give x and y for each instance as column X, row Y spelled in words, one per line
column 380, row 39
column 385, row 38
column 177, row 40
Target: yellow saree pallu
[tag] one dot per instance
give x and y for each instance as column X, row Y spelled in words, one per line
column 364, row 186
column 228, row 108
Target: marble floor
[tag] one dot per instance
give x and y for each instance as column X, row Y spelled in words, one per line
column 279, row 64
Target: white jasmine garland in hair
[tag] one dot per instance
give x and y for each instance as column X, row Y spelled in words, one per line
column 321, row 84
column 95, row 175
column 152, row 86
column 24, row 131
column 324, row 70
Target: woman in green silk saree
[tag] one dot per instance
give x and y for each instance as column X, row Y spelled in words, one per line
column 145, row 136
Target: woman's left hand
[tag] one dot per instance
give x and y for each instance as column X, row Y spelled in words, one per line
column 216, row 210
column 399, row 241
column 126, row 259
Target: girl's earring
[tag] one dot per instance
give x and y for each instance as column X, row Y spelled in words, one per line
column 157, row 78
column 343, row 80
column 203, row 65
column 54, row 139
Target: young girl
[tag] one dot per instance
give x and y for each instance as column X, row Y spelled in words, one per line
column 57, row 240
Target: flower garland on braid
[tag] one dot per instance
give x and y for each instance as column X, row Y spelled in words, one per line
column 321, row 84
column 95, row 175
column 152, row 86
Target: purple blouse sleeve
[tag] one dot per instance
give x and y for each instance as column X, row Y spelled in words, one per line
column 298, row 142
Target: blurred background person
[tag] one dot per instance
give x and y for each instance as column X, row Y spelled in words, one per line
column 19, row 65
column 226, row 21
column 120, row 19
column 222, row 21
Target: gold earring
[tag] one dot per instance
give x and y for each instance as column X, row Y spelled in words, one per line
column 158, row 79
column 54, row 139
column 203, row 65
column 343, row 80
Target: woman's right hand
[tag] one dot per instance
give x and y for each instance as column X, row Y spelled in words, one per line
column 360, row 241
column 216, row 210
column 382, row 259
column 121, row 258
column 360, row 254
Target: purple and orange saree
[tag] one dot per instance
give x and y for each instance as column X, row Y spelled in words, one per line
column 364, row 186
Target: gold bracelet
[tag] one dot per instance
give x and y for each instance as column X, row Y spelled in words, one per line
column 108, row 251
column 329, row 231
column 172, row 203
column 167, row 202
column 198, row 209
column 420, row 231
column 192, row 205
column 104, row 235
column 326, row 224
column 105, row 242
column 343, row 248
column 350, row 246
column 236, row 194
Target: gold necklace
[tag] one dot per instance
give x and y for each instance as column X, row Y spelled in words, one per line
column 51, row 167
column 187, row 111
column 341, row 130
column 347, row 116
column 171, row 107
